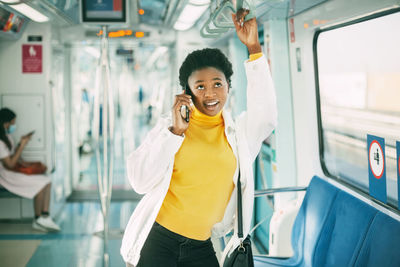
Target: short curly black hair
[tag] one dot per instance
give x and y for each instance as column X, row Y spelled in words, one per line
column 200, row 59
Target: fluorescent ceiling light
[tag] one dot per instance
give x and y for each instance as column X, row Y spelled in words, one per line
column 199, row 2
column 10, row 1
column 190, row 14
column 180, row 26
column 31, row 13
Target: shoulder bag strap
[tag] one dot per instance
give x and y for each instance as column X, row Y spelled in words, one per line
column 239, row 207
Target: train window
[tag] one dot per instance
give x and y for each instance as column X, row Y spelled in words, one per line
column 358, row 89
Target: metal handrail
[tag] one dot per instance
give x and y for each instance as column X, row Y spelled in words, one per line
column 105, row 174
column 219, row 12
column 220, row 28
column 229, row 5
column 215, row 29
column 207, row 32
column 271, row 191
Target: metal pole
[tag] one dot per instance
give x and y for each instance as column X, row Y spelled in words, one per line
column 105, row 174
column 104, row 195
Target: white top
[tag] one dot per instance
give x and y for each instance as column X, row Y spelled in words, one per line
column 18, row 183
column 149, row 167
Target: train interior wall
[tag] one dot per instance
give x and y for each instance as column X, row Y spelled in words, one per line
column 54, row 96
column 39, row 101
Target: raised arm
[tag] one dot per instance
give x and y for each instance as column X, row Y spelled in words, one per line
column 247, row 31
column 10, row 161
column 260, row 118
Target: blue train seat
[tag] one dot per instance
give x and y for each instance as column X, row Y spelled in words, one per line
column 334, row 228
column 382, row 244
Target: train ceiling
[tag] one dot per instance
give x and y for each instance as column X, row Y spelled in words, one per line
column 163, row 13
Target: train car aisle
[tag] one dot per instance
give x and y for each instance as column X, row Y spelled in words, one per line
column 78, row 244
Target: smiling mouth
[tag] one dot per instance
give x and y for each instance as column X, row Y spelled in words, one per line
column 211, row 105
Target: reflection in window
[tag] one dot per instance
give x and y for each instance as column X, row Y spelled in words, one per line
column 359, row 83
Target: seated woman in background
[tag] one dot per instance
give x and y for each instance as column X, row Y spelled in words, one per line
column 35, row 186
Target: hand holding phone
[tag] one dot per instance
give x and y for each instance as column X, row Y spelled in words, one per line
column 185, row 113
column 181, row 111
column 25, row 138
column 187, row 91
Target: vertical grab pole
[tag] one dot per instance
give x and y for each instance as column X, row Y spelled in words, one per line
column 105, row 174
column 103, row 197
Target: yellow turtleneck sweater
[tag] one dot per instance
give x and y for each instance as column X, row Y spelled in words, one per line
column 202, row 179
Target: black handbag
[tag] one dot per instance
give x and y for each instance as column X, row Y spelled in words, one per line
column 242, row 256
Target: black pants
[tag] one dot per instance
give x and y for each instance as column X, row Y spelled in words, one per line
column 164, row 248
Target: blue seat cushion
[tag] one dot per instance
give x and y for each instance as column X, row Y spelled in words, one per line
column 343, row 232
column 312, row 215
column 382, row 243
column 334, row 228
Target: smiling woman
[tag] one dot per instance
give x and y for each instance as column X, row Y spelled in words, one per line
column 188, row 169
column 206, row 74
column 210, row 90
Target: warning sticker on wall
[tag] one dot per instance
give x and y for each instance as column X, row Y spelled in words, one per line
column 32, row 59
column 377, row 167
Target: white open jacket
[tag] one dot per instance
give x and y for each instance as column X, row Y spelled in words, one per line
column 149, row 167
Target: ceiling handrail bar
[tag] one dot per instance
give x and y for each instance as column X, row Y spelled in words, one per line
column 214, row 27
column 271, row 191
column 207, row 32
column 228, row 5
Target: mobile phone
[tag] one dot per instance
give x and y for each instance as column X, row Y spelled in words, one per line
column 187, row 91
column 31, row 133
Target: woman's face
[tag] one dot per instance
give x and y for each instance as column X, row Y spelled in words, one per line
column 7, row 125
column 209, row 90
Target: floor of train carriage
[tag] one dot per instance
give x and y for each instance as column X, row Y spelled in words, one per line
column 77, row 244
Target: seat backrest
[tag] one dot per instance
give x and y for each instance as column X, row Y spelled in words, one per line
column 382, row 243
column 344, row 231
column 310, row 220
column 334, row 228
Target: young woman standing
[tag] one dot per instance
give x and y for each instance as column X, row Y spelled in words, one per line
column 188, row 170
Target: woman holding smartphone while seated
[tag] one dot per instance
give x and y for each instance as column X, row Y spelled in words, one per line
column 35, row 186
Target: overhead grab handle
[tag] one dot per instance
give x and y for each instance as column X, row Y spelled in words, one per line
column 223, row 19
column 209, row 30
column 220, row 21
column 205, row 34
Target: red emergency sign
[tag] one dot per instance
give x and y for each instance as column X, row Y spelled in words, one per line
column 32, row 59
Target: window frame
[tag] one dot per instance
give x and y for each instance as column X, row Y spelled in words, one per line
column 324, row 168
